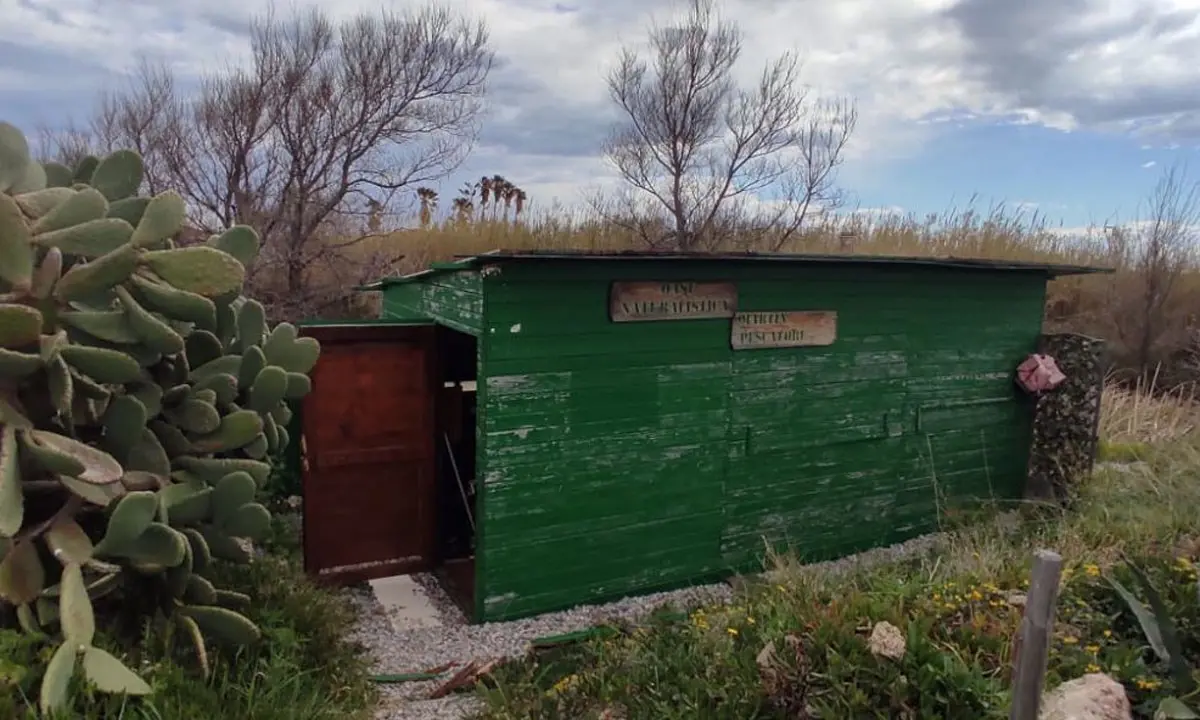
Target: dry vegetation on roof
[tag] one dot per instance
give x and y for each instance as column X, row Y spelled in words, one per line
column 1147, row 309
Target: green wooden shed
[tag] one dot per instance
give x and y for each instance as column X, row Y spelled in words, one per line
column 555, row 429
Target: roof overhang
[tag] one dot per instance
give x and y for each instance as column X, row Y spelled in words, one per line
column 1049, row 270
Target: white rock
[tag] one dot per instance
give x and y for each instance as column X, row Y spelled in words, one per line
column 887, row 641
column 1095, row 696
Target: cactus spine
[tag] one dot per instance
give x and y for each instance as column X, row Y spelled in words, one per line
column 140, row 397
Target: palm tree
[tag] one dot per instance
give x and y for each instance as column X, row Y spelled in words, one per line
column 463, row 209
column 499, row 188
column 429, row 199
column 485, row 192
column 510, row 192
column 520, row 200
column 374, row 215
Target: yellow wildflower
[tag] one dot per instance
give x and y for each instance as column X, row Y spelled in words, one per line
column 564, row 683
column 731, row 631
column 1092, row 668
column 1092, row 570
column 1070, row 640
column 1093, row 649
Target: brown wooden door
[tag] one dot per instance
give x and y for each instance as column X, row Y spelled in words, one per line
column 368, row 450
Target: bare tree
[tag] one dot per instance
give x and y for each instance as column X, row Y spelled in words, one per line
column 702, row 157
column 68, row 144
column 326, row 127
column 1154, row 253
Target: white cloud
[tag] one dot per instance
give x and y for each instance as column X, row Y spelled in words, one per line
column 1149, row 164
column 878, row 213
column 912, row 65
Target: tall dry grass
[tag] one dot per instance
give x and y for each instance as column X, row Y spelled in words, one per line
column 998, row 233
column 1104, row 305
column 1145, row 415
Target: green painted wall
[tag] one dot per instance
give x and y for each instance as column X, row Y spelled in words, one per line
column 454, row 299
column 626, row 457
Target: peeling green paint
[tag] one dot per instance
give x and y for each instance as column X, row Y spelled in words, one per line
column 619, row 458
column 453, row 299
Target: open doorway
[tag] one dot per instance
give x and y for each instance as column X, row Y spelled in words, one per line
column 456, row 437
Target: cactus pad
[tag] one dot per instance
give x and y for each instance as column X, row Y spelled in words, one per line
column 118, row 175
column 76, row 209
column 88, row 240
column 57, row 682
column 224, row 624
column 66, row 456
column 240, row 241
column 14, row 156
column 16, row 252
column 68, row 542
column 199, row 269
column 12, row 498
column 75, row 608
column 110, row 675
column 22, row 575
column 101, row 364
column 20, row 326
column 161, row 218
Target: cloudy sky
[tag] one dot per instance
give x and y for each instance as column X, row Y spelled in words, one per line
column 1069, row 106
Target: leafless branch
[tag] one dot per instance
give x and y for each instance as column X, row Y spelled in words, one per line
column 1156, row 250
column 707, row 156
column 324, row 128
column 1166, row 243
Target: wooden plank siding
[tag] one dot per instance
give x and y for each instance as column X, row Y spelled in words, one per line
column 853, row 447
column 453, row 299
column 619, row 458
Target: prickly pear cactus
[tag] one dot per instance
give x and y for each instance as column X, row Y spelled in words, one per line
column 141, row 399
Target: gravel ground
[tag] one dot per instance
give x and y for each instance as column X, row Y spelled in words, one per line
column 427, row 647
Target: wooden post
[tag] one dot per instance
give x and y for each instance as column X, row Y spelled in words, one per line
column 1033, row 652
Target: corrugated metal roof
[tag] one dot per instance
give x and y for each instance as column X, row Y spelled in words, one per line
column 1048, row 269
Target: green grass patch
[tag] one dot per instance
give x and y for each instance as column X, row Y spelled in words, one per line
column 958, row 607
column 1122, row 452
column 304, row 668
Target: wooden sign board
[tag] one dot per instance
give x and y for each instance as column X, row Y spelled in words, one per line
column 753, row 330
column 641, row 301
